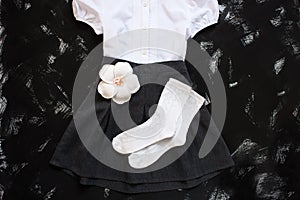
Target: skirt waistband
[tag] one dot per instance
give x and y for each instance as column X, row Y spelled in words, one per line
column 112, row 60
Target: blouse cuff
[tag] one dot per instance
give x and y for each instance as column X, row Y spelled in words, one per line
column 203, row 13
column 85, row 12
column 201, row 25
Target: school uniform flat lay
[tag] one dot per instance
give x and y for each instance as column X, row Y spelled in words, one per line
column 161, row 131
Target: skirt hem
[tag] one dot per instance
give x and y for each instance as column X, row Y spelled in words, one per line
column 161, row 185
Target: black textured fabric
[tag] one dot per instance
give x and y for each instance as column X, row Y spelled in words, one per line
column 73, row 158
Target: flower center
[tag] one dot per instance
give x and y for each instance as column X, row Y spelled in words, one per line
column 118, row 81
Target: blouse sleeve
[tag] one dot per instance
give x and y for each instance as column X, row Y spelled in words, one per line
column 203, row 13
column 88, row 11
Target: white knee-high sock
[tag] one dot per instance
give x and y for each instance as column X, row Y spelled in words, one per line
column 152, row 153
column 161, row 125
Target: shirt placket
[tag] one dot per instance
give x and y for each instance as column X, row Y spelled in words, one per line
column 145, row 28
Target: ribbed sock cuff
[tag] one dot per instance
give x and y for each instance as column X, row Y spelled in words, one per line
column 178, row 84
column 197, row 97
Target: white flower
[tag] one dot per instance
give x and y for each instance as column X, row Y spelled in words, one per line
column 118, row 82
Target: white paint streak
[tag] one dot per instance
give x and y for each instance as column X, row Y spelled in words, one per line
column 51, row 59
column 3, row 163
column 27, row 6
column 49, row 194
column 62, row 46
column 214, row 62
column 231, row 85
column 246, row 146
column 281, row 153
column 279, row 65
column 219, row 194
column 42, row 146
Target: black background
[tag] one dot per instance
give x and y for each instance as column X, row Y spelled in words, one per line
column 256, row 46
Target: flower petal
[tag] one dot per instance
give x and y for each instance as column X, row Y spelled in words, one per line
column 122, row 69
column 107, row 73
column 106, row 90
column 123, row 95
column 132, row 83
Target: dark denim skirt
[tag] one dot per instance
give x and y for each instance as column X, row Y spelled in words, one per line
column 72, row 156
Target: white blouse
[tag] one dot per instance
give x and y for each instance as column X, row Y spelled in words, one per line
column 146, row 31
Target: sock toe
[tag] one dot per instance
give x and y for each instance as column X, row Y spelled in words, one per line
column 117, row 146
column 137, row 161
